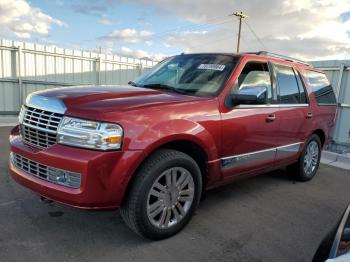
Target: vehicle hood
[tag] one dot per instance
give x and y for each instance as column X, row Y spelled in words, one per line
column 104, row 99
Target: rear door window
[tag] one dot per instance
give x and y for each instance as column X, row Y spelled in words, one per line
column 321, row 87
column 303, row 94
column 287, row 85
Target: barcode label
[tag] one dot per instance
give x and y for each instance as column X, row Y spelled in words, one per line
column 215, row 67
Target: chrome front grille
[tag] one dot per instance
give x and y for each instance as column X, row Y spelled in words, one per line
column 39, row 127
column 37, row 138
column 53, row 175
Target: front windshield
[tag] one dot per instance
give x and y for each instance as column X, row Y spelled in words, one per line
column 197, row 74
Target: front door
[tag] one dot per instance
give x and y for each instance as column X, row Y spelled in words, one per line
column 250, row 130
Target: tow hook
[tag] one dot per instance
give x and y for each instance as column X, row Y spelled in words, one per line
column 46, row 200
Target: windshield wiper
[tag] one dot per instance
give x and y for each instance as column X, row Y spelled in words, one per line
column 164, row 87
column 132, row 83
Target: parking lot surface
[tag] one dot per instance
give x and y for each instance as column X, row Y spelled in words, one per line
column 266, row 218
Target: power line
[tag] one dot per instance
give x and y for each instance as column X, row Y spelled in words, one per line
column 256, row 36
column 164, row 34
column 224, row 38
column 219, row 21
column 213, row 40
column 171, row 30
column 246, row 42
column 203, row 26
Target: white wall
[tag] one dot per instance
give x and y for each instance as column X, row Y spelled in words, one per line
column 338, row 72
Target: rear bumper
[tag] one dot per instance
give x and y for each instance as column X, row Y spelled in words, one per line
column 104, row 175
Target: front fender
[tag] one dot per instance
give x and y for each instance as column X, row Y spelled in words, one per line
column 175, row 130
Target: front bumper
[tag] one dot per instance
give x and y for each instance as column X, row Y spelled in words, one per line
column 104, row 175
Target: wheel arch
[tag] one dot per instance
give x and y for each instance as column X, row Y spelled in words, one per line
column 321, row 134
column 192, row 149
column 188, row 146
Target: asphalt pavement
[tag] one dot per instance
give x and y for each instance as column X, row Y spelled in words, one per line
column 266, row 218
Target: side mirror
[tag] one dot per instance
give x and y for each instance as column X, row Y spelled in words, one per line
column 337, row 242
column 346, row 235
column 173, row 67
column 249, row 95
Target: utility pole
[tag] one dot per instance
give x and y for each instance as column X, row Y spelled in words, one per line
column 241, row 16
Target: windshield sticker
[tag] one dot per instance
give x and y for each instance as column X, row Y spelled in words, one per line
column 215, row 67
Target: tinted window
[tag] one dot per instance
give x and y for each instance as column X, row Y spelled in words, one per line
column 255, row 79
column 288, row 86
column 303, row 95
column 321, row 87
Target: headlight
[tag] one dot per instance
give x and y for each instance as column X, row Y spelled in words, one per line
column 90, row 134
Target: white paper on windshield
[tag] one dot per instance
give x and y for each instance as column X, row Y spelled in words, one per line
column 215, row 67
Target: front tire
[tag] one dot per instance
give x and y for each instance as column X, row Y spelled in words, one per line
column 306, row 167
column 164, row 195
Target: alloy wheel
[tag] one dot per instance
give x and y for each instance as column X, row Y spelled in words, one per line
column 170, row 197
column 311, row 158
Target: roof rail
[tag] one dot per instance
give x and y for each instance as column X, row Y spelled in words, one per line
column 288, row 58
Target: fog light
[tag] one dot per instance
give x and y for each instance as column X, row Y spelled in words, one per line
column 64, row 178
column 51, row 174
column 61, row 176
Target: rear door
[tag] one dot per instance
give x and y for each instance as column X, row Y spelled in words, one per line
column 295, row 113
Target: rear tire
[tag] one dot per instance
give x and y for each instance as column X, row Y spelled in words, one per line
column 163, row 195
column 306, row 167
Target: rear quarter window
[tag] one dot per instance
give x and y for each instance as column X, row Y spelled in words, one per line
column 321, row 87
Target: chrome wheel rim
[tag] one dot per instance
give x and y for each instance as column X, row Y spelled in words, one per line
column 170, row 197
column 311, row 158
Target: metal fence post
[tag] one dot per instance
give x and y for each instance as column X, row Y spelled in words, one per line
column 140, row 66
column 341, row 91
column 98, row 71
column 19, row 75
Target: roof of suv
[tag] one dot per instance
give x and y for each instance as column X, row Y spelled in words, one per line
column 282, row 57
column 274, row 56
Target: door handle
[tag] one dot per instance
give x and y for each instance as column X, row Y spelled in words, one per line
column 309, row 115
column 271, row 118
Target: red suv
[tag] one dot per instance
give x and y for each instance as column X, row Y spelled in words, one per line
column 193, row 122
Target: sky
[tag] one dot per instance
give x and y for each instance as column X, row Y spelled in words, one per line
column 154, row 29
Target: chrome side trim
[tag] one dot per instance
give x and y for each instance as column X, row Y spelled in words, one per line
column 239, row 160
column 256, row 106
column 271, row 106
column 325, row 104
column 293, row 105
column 345, row 105
column 262, row 155
column 288, row 150
column 51, row 104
